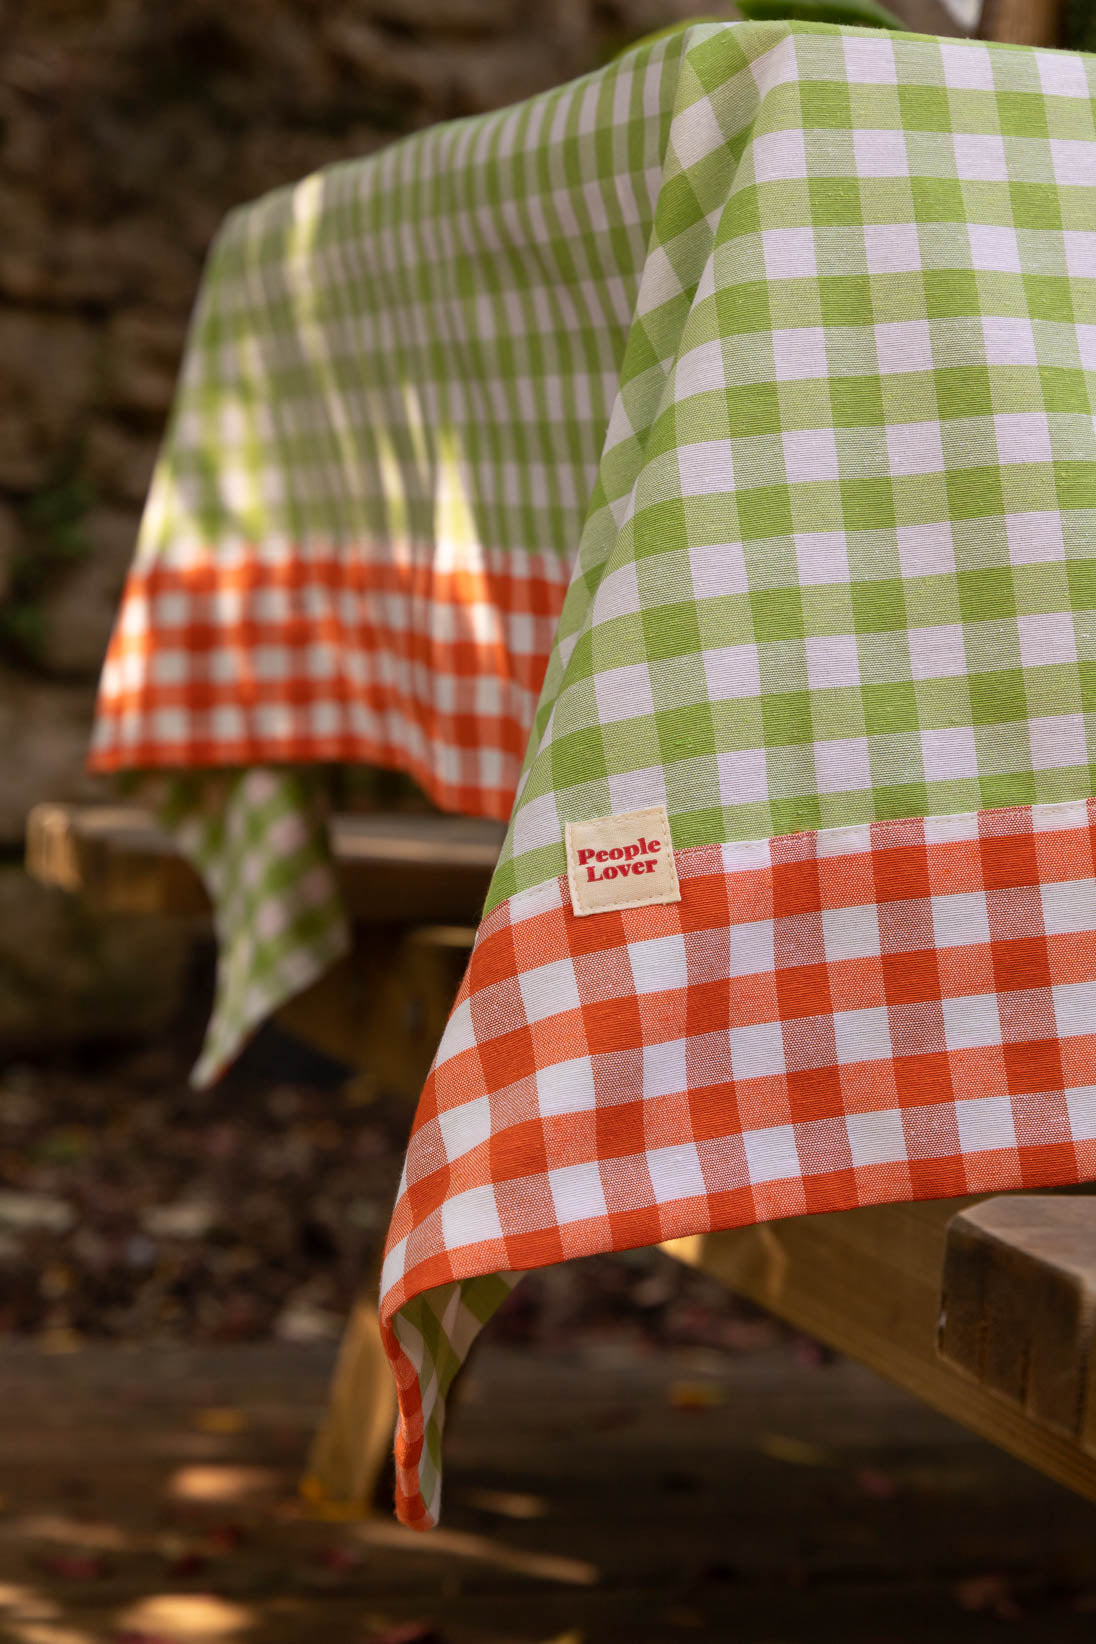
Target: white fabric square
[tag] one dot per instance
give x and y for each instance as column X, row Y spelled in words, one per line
column 623, row 693
column 971, row 1021
column 949, row 754
column 937, row 653
column 465, row 1127
column 664, row 1068
column 1075, row 1008
column 985, row 1123
column 1023, row 436
column 1058, row 742
column 850, row 933
column 892, row 248
column 994, row 247
column 881, row 154
column 832, row 660
column 566, row 1087
column 926, row 550
column 876, row 1138
column 789, row 253
column 1047, row 638
column 960, row 920
column 731, row 672
column 799, row 353
column 469, row 1218
column 777, row 67
column 549, row 990
column 1080, row 244
column 1070, row 909
column 757, row 1051
column 1086, row 345
column 1073, row 161
column 822, row 557
column 675, row 1173
column 771, row 1155
column 536, row 823
column 843, row 765
column 169, row 667
column 706, row 468
column 577, row 1192
column 658, row 964
column 778, row 155
column 967, row 66
column 696, row 132
column 980, row 157
column 810, row 454
column 1081, row 1105
column 617, row 595
column 743, row 776
column 915, row 448
column 862, row 1035
column 718, row 569
column 903, row 345
column 1035, row 538
column 752, row 951
column 869, row 60
column 700, row 371
column 1008, row 340
column 1062, row 74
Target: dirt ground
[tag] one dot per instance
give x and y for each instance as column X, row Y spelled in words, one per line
column 603, row 1492
column 636, row 1457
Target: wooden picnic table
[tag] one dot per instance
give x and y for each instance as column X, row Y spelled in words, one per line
column 984, row 1307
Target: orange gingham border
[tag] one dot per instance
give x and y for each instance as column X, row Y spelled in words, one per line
column 1018, row 882
column 316, row 656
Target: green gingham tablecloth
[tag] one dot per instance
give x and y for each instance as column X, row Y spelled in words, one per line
column 785, row 336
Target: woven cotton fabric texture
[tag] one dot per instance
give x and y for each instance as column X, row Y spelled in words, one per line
column 835, row 610
column 711, row 438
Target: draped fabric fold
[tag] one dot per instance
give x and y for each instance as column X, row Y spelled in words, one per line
column 709, row 441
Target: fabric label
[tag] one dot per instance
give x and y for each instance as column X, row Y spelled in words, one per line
column 621, row 861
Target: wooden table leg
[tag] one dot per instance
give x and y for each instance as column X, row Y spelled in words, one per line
column 354, row 1439
column 383, row 1011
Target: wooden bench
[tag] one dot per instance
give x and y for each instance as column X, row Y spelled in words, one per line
column 985, row 1308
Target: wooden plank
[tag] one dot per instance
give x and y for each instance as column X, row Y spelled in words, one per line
column 1019, row 1305
column 868, row 1283
column 394, row 868
column 113, row 857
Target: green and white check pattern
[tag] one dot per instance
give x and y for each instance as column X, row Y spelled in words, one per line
column 824, row 301
column 838, row 566
column 259, row 841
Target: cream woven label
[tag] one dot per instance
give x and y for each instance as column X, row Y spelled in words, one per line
column 621, row 861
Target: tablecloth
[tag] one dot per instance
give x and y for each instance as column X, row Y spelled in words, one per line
column 792, row 331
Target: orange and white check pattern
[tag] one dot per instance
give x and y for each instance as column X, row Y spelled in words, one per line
column 905, row 1010
column 322, row 656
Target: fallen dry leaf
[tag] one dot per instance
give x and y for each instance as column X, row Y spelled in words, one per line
column 408, row 1632
column 695, row 1395
column 799, row 1452
column 991, row 1594
column 220, row 1419
column 879, row 1485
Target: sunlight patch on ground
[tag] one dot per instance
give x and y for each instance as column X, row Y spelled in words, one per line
column 573, row 1572
column 186, row 1616
column 221, row 1483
